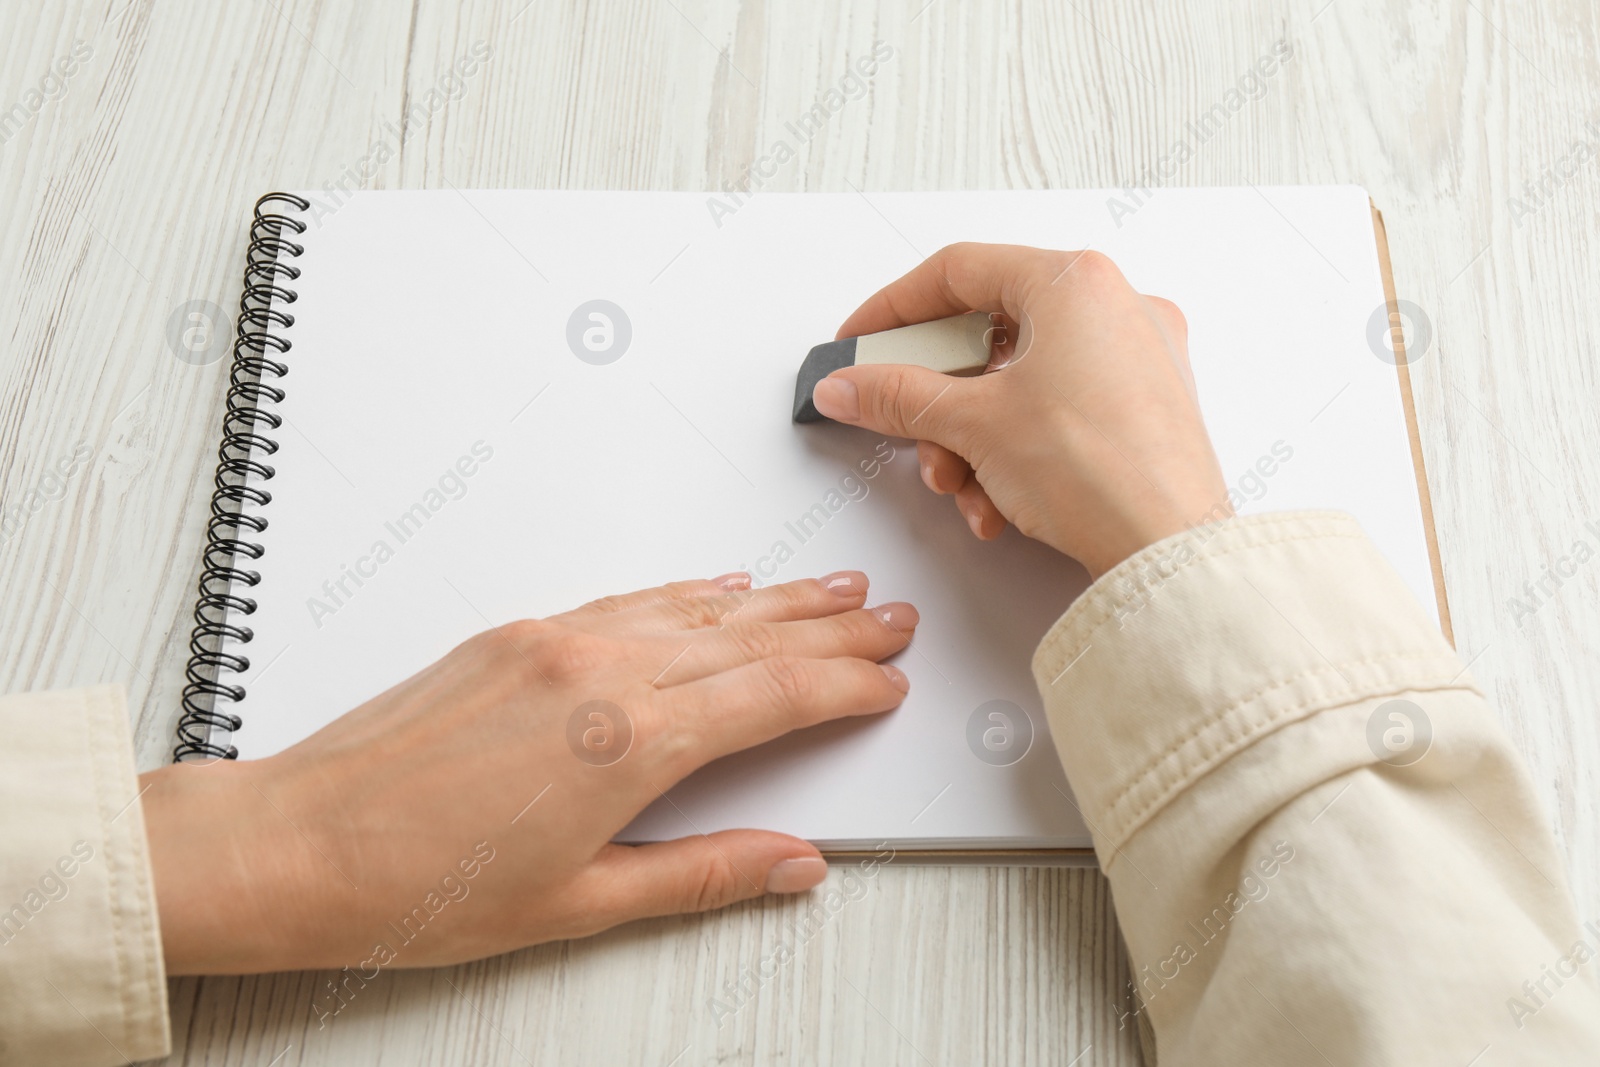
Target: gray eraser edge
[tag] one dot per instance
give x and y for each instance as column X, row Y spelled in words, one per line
column 820, row 362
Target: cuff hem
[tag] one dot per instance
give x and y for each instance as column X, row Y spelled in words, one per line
column 1207, row 641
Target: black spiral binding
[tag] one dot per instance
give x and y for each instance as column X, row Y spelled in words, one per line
column 248, row 419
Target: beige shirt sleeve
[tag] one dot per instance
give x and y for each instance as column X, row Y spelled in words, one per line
column 1322, row 847
column 81, row 973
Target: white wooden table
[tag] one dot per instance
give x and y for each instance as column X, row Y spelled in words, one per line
column 125, row 188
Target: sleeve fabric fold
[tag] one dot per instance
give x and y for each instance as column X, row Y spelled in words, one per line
column 82, row 979
column 1321, row 845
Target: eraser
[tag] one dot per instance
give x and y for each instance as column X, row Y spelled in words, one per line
column 960, row 344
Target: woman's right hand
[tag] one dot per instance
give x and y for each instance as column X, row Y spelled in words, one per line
column 1084, row 432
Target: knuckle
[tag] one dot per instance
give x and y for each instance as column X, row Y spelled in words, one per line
column 952, row 254
column 796, row 598
column 951, row 263
column 608, row 604
column 1090, row 267
column 567, row 655
column 523, row 634
column 716, row 886
column 758, row 642
column 791, row 680
column 1172, row 315
column 888, row 400
column 699, row 612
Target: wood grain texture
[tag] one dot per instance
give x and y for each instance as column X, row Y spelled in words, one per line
column 126, row 195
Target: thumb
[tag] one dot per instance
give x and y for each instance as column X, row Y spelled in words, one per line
column 897, row 399
column 700, row 873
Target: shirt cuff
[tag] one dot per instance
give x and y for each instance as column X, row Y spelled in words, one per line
column 1203, row 643
column 81, row 971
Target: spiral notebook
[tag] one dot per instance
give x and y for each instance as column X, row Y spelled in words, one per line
column 453, row 409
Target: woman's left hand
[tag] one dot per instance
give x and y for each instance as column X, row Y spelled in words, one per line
column 470, row 809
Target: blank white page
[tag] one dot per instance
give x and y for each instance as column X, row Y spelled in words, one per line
column 431, row 324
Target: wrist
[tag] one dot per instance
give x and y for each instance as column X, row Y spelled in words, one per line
column 225, row 875
column 1120, row 534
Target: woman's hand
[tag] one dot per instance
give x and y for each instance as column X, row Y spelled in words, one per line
column 1084, row 432
column 470, row 809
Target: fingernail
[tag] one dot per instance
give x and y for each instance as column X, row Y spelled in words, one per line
column 837, row 399
column 897, row 677
column 898, row 615
column 975, row 521
column 844, row 583
column 927, row 477
column 734, row 582
column 796, row 876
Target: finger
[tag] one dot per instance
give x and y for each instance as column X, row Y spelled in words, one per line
column 956, row 279
column 902, row 400
column 869, row 633
column 692, row 874
column 983, row 518
column 807, row 598
column 698, row 587
column 942, row 470
column 727, row 712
